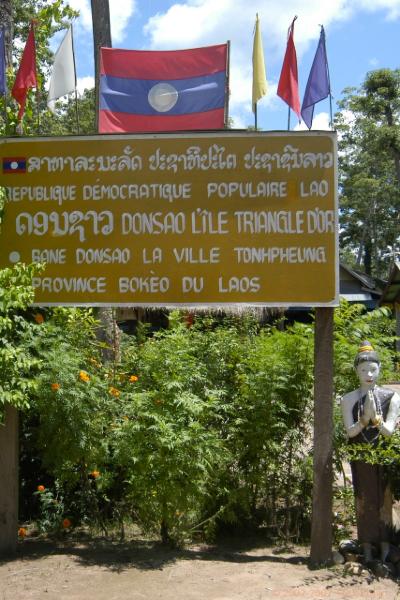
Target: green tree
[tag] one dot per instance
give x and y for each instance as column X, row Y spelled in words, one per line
column 64, row 121
column 369, row 143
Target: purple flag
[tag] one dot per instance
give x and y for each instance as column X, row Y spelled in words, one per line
column 318, row 86
column 3, row 83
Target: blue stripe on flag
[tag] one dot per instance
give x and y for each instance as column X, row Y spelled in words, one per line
column 195, row 95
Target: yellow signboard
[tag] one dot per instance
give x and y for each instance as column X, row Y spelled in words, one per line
column 221, row 218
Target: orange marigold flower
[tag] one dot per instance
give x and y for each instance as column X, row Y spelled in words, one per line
column 55, row 387
column 40, row 488
column 83, row 376
column 66, row 523
column 133, row 378
column 22, row 532
column 39, row 318
column 95, row 474
column 114, row 392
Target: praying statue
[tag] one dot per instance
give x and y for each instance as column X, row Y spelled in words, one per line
column 369, row 413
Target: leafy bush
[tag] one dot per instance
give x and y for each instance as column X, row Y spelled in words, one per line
column 71, row 410
column 196, row 428
column 17, row 364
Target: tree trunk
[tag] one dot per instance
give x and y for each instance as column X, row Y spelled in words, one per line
column 368, row 257
column 6, row 19
column 101, row 38
column 9, row 482
column 109, row 332
column 321, row 527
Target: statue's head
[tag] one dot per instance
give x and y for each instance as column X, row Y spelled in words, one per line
column 366, row 353
column 367, row 365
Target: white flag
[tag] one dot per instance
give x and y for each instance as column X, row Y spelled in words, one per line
column 63, row 77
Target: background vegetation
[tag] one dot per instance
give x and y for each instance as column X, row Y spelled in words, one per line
column 200, row 427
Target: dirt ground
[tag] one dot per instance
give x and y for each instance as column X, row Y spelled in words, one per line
column 244, row 569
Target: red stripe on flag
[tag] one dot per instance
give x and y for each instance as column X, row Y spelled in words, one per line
column 163, row 65
column 110, row 122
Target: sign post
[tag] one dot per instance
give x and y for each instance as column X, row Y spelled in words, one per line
column 9, row 478
column 321, row 526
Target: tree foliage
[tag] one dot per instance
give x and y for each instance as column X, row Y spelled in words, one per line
column 17, row 363
column 369, row 159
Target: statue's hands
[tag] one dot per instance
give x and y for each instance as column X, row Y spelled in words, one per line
column 369, row 407
column 377, row 421
column 369, row 410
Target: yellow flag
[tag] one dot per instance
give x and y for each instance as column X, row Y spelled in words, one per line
column 259, row 79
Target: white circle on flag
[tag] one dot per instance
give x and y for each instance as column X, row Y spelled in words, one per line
column 14, row 165
column 162, row 97
column 14, row 256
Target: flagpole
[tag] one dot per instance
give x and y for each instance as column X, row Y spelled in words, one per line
column 34, row 23
column 38, row 109
column 288, row 119
column 288, row 87
column 77, row 112
column 329, row 82
column 5, row 111
column 228, row 57
column 260, row 86
column 76, row 94
column 4, row 75
column 5, row 116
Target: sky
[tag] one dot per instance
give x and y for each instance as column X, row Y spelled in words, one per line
column 361, row 35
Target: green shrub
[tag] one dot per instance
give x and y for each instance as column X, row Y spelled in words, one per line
column 17, row 363
column 197, row 427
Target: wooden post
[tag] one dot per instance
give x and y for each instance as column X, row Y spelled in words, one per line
column 321, row 526
column 9, row 482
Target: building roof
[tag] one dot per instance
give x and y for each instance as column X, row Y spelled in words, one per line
column 391, row 293
column 356, row 286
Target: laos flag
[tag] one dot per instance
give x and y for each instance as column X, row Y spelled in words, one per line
column 169, row 90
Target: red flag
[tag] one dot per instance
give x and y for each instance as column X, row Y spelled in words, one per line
column 26, row 76
column 288, row 87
